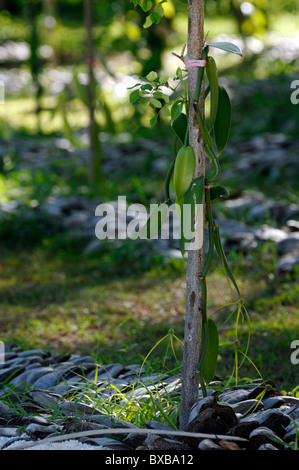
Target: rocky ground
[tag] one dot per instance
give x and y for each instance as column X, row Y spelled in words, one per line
column 246, row 219
column 42, row 411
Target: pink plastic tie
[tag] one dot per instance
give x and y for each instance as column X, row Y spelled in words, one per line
column 195, row 63
column 207, row 186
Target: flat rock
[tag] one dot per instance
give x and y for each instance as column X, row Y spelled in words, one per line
column 5, row 411
column 234, row 396
column 243, row 429
column 273, row 402
column 10, row 372
column 273, row 419
column 208, row 421
column 39, row 431
column 105, row 443
column 156, row 442
column 263, row 435
column 246, row 406
column 208, row 444
column 29, row 377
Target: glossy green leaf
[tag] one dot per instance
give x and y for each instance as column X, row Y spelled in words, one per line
column 210, row 361
column 212, row 74
column 153, row 120
column 180, row 126
column 146, row 5
column 222, row 123
column 152, row 76
column 156, row 103
column 176, row 109
column 218, row 192
column 226, row 46
column 155, row 17
column 148, row 22
column 155, row 221
column 134, row 96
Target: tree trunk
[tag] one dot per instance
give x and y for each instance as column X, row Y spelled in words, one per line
column 195, row 261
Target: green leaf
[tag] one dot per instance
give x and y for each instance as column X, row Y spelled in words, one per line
column 155, row 17
column 214, row 89
column 154, row 120
column 176, row 109
column 152, row 76
column 134, row 96
column 146, row 87
column 156, row 103
column 218, row 191
column 180, row 126
column 226, row 46
column 146, row 5
column 163, row 79
column 223, row 120
column 210, row 361
column 148, row 22
column 155, row 221
column 165, row 111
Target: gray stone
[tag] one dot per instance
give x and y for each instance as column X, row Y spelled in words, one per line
column 12, row 371
column 29, row 377
column 293, row 225
column 288, row 262
column 156, row 442
column 36, row 419
column 234, row 396
column 40, row 431
column 293, row 412
column 246, row 406
column 263, row 435
column 5, row 411
column 208, row 444
column 44, row 398
column 110, row 371
column 200, row 406
column 110, row 421
column 208, row 421
column 291, row 400
column 105, row 443
column 70, row 407
column 289, row 244
column 34, row 352
column 266, row 233
column 243, row 429
column 272, row 402
column 273, row 419
column 267, row 447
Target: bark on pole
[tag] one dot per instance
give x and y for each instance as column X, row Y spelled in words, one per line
column 195, row 261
